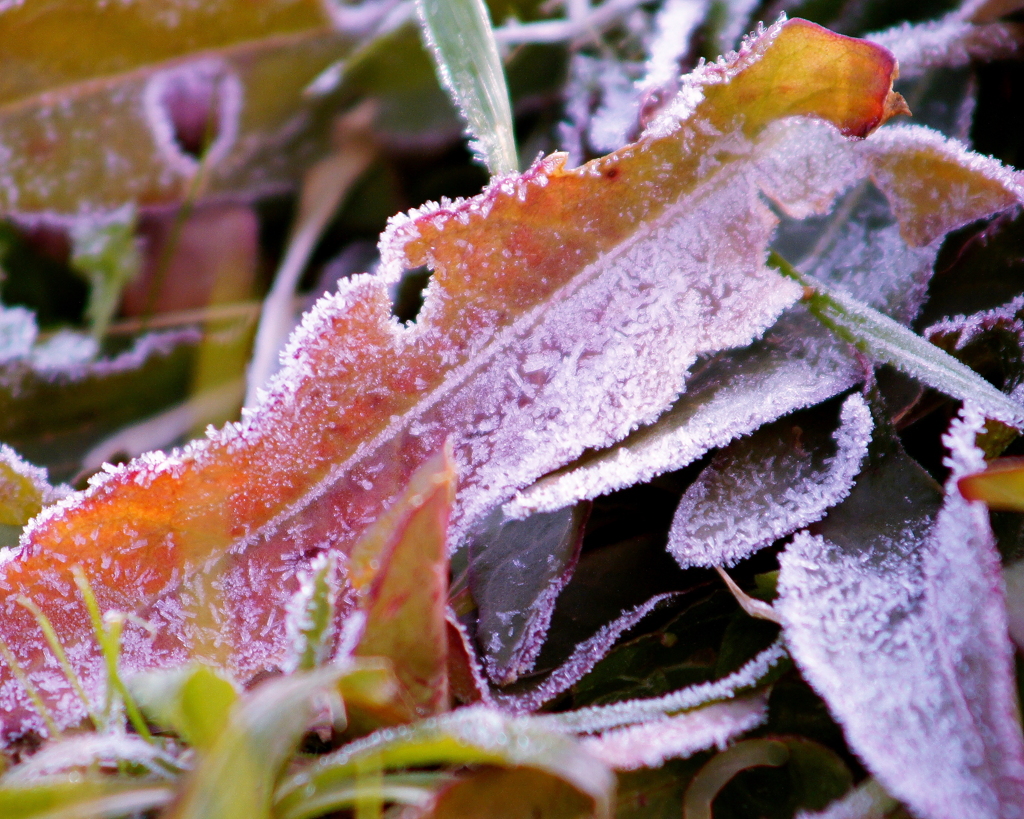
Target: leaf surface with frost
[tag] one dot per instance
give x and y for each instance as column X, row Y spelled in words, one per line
column 516, row 570
column 893, row 610
column 761, row 488
column 649, row 744
column 565, row 307
column 59, row 396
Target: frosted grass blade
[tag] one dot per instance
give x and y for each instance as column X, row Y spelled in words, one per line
column 462, row 41
column 885, row 340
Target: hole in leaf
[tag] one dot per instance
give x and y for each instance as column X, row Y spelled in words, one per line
column 409, row 293
column 191, row 102
column 193, row 110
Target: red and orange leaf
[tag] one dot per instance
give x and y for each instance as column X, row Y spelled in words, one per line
column 566, row 307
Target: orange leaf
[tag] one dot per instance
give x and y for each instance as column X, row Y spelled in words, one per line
column 1000, row 486
column 566, row 307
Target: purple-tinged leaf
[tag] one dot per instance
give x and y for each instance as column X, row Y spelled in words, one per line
column 988, row 337
column 564, row 309
column 516, row 570
column 932, row 185
column 649, row 744
column 529, row 695
column 598, row 718
column 950, row 42
column 959, row 331
column 466, row 679
column 58, row 397
column 894, row 612
column 766, row 486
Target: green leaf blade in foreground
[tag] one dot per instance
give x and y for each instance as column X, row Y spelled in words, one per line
column 82, row 799
column 884, row 340
column 470, row 736
column 461, row 39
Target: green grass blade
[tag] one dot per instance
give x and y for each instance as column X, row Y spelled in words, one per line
column 58, row 651
column 108, row 635
column 461, row 39
column 33, row 692
column 882, row 339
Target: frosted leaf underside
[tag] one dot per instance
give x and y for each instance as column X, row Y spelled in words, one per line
column 894, row 612
column 766, row 486
column 649, row 744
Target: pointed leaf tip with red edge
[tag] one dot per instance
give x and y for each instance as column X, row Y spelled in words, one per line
column 565, row 309
column 400, row 567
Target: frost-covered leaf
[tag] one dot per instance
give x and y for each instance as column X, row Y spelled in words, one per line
column 529, row 695
column 649, row 744
column 991, row 342
column 194, row 701
column 462, row 42
column 598, row 718
column 893, row 610
column 84, row 753
column 516, row 570
column 474, row 735
column 400, row 571
column 58, row 397
column 950, row 42
column 218, row 84
column 565, row 307
column 761, row 488
column 795, row 365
